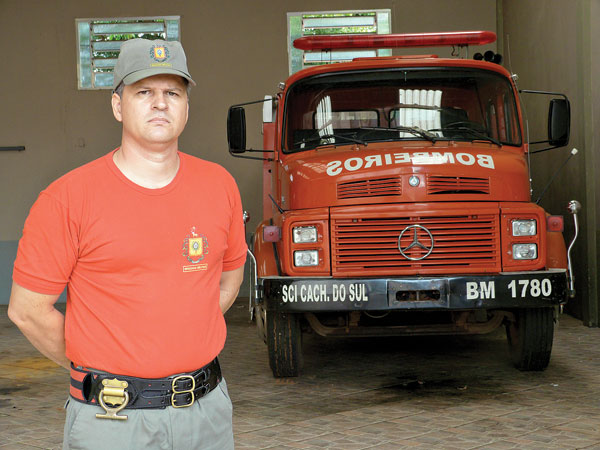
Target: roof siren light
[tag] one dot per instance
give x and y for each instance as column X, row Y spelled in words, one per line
column 362, row 41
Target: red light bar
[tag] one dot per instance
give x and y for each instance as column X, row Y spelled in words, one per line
column 362, row 41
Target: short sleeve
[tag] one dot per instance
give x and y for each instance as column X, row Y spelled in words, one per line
column 47, row 251
column 235, row 255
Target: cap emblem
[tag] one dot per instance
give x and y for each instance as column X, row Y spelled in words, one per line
column 159, row 53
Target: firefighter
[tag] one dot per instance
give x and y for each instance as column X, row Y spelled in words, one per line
column 149, row 243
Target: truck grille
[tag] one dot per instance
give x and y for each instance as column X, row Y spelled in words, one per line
column 375, row 187
column 369, row 246
column 457, row 185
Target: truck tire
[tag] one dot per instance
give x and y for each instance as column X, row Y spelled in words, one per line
column 260, row 318
column 284, row 341
column 530, row 338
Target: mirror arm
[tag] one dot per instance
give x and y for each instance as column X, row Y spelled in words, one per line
column 542, row 149
column 528, row 91
column 235, row 155
column 252, row 157
column 254, row 102
column 557, row 94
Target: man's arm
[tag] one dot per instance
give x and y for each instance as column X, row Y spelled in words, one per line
column 230, row 287
column 40, row 322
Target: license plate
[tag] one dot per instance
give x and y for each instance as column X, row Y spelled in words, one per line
column 515, row 288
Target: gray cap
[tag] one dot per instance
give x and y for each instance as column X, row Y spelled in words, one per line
column 142, row 58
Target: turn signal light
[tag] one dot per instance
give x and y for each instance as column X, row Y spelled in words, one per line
column 271, row 233
column 555, row 223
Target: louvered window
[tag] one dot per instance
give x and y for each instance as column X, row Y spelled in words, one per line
column 335, row 22
column 417, row 108
column 99, row 44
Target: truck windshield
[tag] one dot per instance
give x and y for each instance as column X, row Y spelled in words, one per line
column 400, row 104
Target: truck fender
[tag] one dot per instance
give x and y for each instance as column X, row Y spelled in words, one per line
column 267, row 257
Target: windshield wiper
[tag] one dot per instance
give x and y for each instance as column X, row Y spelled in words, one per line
column 415, row 131
column 328, row 136
column 473, row 132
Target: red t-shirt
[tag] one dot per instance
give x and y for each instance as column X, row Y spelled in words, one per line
column 142, row 266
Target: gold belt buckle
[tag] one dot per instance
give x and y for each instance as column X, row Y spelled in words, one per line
column 176, row 391
column 113, row 392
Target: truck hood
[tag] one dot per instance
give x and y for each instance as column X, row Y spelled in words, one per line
column 415, row 172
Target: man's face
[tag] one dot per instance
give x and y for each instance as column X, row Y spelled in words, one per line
column 153, row 110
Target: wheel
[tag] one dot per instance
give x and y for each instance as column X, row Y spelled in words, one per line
column 284, row 341
column 260, row 317
column 530, row 338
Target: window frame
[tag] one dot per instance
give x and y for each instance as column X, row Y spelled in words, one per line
column 517, row 132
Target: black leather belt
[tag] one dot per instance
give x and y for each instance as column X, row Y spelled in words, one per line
column 179, row 390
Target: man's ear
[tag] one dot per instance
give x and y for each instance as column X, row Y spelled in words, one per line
column 116, row 107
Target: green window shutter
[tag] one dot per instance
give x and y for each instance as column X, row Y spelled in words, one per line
column 99, row 44
column 334, row 22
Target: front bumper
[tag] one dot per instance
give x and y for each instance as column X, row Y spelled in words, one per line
column 505, row 290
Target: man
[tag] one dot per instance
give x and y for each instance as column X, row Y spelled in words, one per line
column 150, row 245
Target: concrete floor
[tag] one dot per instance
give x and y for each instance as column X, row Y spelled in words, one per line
column 435, row 392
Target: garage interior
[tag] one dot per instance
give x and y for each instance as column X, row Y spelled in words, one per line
column 396, row 393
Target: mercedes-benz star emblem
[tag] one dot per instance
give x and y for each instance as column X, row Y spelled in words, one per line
column 415, row 242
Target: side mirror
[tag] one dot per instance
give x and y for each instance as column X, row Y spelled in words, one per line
column 559, row 122
column 236, row 129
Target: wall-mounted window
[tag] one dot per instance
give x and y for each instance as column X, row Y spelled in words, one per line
column 335, row 22
column 99, row 43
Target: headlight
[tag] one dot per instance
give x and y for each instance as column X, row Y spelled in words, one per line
column 306, row 258
column 524, row 251
column 524, row 227
column 303, row 235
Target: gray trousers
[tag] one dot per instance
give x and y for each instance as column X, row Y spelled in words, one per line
column 207, row 424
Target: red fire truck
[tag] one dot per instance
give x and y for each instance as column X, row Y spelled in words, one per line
column 397, row 201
